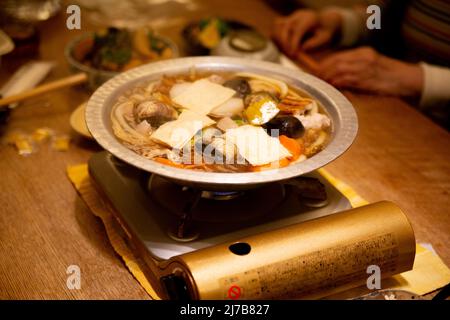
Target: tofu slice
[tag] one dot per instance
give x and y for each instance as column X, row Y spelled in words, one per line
column 255, row 145
column 203, row 96
column 179, row 132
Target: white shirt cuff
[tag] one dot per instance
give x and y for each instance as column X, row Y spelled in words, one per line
column 436, row 85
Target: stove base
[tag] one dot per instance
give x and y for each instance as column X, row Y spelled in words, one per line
column 127, row 190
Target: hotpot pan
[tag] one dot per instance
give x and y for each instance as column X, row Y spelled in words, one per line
column 340, row 110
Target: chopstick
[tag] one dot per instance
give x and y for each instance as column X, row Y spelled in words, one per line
column 54, row 85
column 309, row 62
column 79, row 78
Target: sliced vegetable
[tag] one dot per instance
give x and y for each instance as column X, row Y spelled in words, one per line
column 169, row 162
column 83, row 48
column 209, row 35
column 229, row 108
column 293, row 146
column 283, row 88
column 292, row 104
column 179, row 165
column 179, row 88
column 179, row 132
column 112, row 50
column 226, row 123
column 273, row 165
column 257, row 85
column 255, row 145
column 203, row 96
column 261, row 108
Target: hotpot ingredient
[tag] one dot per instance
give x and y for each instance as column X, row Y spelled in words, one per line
column 220, row 122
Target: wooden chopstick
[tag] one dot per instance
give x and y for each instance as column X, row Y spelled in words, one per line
column 309, row 62
column 54, row 85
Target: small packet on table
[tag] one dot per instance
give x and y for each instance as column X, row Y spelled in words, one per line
column 23, row 143
column 61, row 142
column 42, row 134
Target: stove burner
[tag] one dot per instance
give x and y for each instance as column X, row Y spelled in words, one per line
column 194, row 205
column 221, row 195
column 213, row 206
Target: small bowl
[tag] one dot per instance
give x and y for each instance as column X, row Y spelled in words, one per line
column 96, row 77
column 247, row 44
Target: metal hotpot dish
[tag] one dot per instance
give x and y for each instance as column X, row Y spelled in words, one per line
column 340, row 110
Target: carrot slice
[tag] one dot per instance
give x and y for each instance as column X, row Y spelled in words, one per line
column 169, row 162
column 82, row 48
column 134, row 62
column 273, row 165
column 180, row 165
column 292, row 146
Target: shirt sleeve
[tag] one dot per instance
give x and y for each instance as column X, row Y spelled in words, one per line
column 353, row 25
column 436, row 85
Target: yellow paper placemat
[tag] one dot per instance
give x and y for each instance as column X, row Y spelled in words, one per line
column 429, row 272
column 79, row 175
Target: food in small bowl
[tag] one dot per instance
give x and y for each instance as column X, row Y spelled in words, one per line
column 204, row 35
column 104, row 54
column 221, row 122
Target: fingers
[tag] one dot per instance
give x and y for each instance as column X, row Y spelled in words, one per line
column 331, row 61
column 361, row 69
column 298, row 31
column 290, row 31
column 282, row 31
column 362, row 53
column 285, row 34
column 341, row 68
column 320, row 38
column 279, row 26
column 348, row 81
column 351, row 69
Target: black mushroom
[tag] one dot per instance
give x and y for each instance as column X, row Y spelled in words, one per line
column 240, row 85
column 287, row 125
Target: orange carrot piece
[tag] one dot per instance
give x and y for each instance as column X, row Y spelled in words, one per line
column 82, row 48
column 169, row 162
column 180, row 165
column 273, row 165
column 292, row 146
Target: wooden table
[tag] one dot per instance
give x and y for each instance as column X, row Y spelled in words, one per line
column 399, row 155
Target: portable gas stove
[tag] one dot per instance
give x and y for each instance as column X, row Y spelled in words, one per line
column 164, row 220
column 197, row 244
column 271, row 234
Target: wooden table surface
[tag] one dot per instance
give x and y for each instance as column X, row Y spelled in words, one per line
column 399, row 155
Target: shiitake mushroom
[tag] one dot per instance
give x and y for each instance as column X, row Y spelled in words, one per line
column 287, row 125
column 240, row 85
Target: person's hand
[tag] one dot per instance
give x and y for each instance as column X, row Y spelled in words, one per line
column 306, row 30
column 366, row 70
